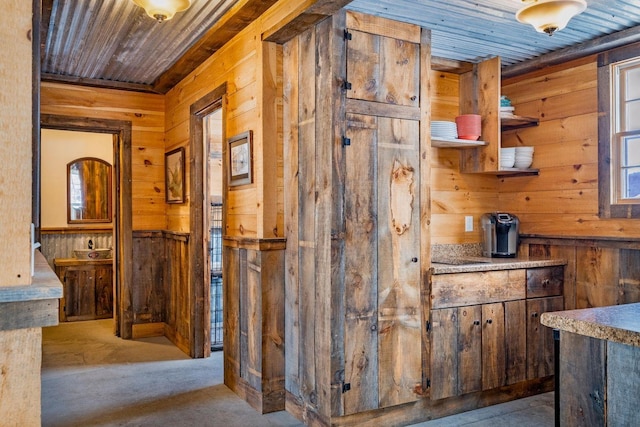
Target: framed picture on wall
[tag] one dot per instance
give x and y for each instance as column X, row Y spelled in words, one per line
column 240, row 159
column 174, row 175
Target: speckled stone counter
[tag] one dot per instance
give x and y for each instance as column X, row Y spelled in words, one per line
column 475, row 264
column 599, row 365
column 618, row 323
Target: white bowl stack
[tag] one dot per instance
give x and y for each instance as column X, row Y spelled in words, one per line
column 507, row 157
column 524, row 157
column 444, row 130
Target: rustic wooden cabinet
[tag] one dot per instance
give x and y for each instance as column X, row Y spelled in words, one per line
column 357, row 214
column 87, row 288
column 491, row 343
column 477, row 347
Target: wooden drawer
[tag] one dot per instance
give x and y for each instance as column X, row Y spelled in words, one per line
column 461, row 289
column 545, row 281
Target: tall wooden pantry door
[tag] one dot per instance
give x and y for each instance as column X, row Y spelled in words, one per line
column 382, row 330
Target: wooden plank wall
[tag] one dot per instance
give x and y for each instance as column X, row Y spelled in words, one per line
column 146, row 113
column 563, row 200
column 251, row 69
column 453, row 194
column 175, row 288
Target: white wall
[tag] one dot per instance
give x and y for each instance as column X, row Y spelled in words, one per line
column 60, row 147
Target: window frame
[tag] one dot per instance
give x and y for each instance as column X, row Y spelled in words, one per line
column 607, row 209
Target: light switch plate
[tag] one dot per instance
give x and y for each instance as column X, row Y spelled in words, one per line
column 468, row 223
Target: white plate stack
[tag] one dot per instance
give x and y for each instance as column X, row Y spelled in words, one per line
column 444, row 130
column 524, row 157
column 507, row 157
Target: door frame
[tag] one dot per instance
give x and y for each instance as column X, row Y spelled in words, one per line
column 123, row 222
column 200, row 337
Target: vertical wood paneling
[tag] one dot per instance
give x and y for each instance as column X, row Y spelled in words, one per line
column 231, row 313
column 361, row 260
column 444, row 353
column 629, row 279
column 515, row 318
column 585, row 376
column 469, row 350
column 597, row 276
column 540, row 344
column 399, row 309
column 307, row 231
column 61, row 245
column 291, row 51
column 148, row 275
column 493, row 346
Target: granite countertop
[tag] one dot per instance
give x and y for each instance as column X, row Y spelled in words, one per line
column 475, row 264
column 617, row 323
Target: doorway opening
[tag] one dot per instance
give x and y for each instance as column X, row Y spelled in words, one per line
column 212, row 138
column 121, row 241
column 206, row 187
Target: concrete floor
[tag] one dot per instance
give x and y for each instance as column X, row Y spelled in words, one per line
column 91, row 378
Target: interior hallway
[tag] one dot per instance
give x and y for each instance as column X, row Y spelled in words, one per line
column 92, row 378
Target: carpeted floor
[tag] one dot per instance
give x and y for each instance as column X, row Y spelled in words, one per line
column 92, row 378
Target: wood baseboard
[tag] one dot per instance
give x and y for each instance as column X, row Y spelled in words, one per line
column 146, row 330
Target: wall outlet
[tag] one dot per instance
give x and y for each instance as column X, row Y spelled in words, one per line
column 468, row 223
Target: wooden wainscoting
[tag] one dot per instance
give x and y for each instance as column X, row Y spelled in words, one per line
column 599, row 271
column 254, row 321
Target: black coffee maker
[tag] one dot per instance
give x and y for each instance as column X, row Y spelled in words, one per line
column 499, row 235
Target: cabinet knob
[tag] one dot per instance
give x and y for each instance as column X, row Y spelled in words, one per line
column 476, row 322
column 414, row 259
column 534, row 314
column 489, row 321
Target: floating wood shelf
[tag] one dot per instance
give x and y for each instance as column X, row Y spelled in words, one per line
column 509, row 172
column 455, row 143
column 510, row 122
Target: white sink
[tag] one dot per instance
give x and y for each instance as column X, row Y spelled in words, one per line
column 100, row 253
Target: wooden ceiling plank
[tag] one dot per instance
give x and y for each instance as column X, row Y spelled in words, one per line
column 237, row 18
column 109, row 84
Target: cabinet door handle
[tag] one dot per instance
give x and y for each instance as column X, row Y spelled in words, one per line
column 414, row 259
column 476, row 322
column 489, row 321
column 534, row 314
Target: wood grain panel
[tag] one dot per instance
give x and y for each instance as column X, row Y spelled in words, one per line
column 469, row 349
column 585, row 376
column 493, row 346
column 460, row 289
column 540, row 344
column 399, row 311
column 444, row 353
column 360, row 265
column 515, row 318
column 597, row 274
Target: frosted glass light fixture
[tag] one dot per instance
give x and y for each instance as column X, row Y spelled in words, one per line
column 163, row 10
column 549, row 16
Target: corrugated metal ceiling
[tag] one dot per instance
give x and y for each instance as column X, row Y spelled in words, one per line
column 115, row 41
column 474, row 30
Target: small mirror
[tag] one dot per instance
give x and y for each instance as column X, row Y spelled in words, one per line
column 88, row 191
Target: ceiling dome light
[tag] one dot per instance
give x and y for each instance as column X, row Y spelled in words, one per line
column 549, row 16
column 163, row 10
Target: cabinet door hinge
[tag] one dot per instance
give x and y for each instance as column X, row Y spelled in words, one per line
column 346, row 141
column 428, row 324
column 346, row 387
column 428, row 382
column 347, row 35
column 346, row 85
